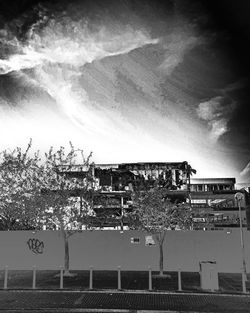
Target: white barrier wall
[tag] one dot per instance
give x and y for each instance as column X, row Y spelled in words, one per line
column 108, row 249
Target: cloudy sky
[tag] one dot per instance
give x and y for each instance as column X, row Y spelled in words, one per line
column 129, row 80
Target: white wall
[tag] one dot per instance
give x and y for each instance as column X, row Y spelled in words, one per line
column 108, row 249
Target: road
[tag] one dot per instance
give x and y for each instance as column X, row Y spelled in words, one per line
column 106, row 301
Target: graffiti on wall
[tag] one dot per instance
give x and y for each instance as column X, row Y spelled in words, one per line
column 35, row 245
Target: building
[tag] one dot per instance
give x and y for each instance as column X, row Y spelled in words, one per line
column 129, row 176
column 125, row 176
column 214, row 205
column 212, row 184
column 114, row 184
column 212, row 199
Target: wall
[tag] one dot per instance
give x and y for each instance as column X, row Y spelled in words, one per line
column 108, row 249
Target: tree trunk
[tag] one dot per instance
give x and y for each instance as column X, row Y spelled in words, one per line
column 66, row 235
column 66, row 252
column 160, row 238
column 121, row 226
column 161, row 257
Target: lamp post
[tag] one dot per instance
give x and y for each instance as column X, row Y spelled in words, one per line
column 239, row 197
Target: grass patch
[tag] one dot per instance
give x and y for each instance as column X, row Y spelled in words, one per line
column 232, row 282
column 190, row 281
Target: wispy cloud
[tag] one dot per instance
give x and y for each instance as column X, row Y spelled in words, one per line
column 176, row 45
column 216, row 112
column 73, row 44
column 57, row 54
column 246, row 170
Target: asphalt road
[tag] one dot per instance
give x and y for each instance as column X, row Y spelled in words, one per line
column 73, row 301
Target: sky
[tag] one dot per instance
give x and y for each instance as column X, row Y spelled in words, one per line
column 129, row 80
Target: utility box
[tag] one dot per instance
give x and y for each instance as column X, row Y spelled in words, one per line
column 209, row 275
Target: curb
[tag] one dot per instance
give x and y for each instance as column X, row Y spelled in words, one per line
column 114, row 291
column 63, row 310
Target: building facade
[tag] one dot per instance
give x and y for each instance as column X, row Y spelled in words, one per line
column 114, row 184
column 212, row 199
column 214, row 205
column 212, row 184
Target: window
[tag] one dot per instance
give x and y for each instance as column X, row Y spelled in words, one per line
column 199, row 187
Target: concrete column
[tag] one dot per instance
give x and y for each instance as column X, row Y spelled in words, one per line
column 119, row 277
column 179, row 280
column 149, row 278
column 34, row 278
column 61, row 277
column 5, row 285
column 91, row 277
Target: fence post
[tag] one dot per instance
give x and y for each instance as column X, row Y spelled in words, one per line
column 149, row 278
column 119, row 277
column 61, row 277
column 34, row 278
column 243, row 280
column 179, row 279
column 91, row 277
column 5, row 285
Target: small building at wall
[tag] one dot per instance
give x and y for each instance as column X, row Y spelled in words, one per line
column 211, row 184
column 213, row 202
column 219, row 208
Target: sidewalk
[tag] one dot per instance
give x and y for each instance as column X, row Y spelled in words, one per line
column 106, row 301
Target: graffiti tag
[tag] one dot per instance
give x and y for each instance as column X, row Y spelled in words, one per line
column 35, row 245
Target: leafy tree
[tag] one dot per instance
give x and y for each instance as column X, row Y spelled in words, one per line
column 18, row 180
column 190, row 172
column 41, row 191
column 66, row 201
column 154, row 213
